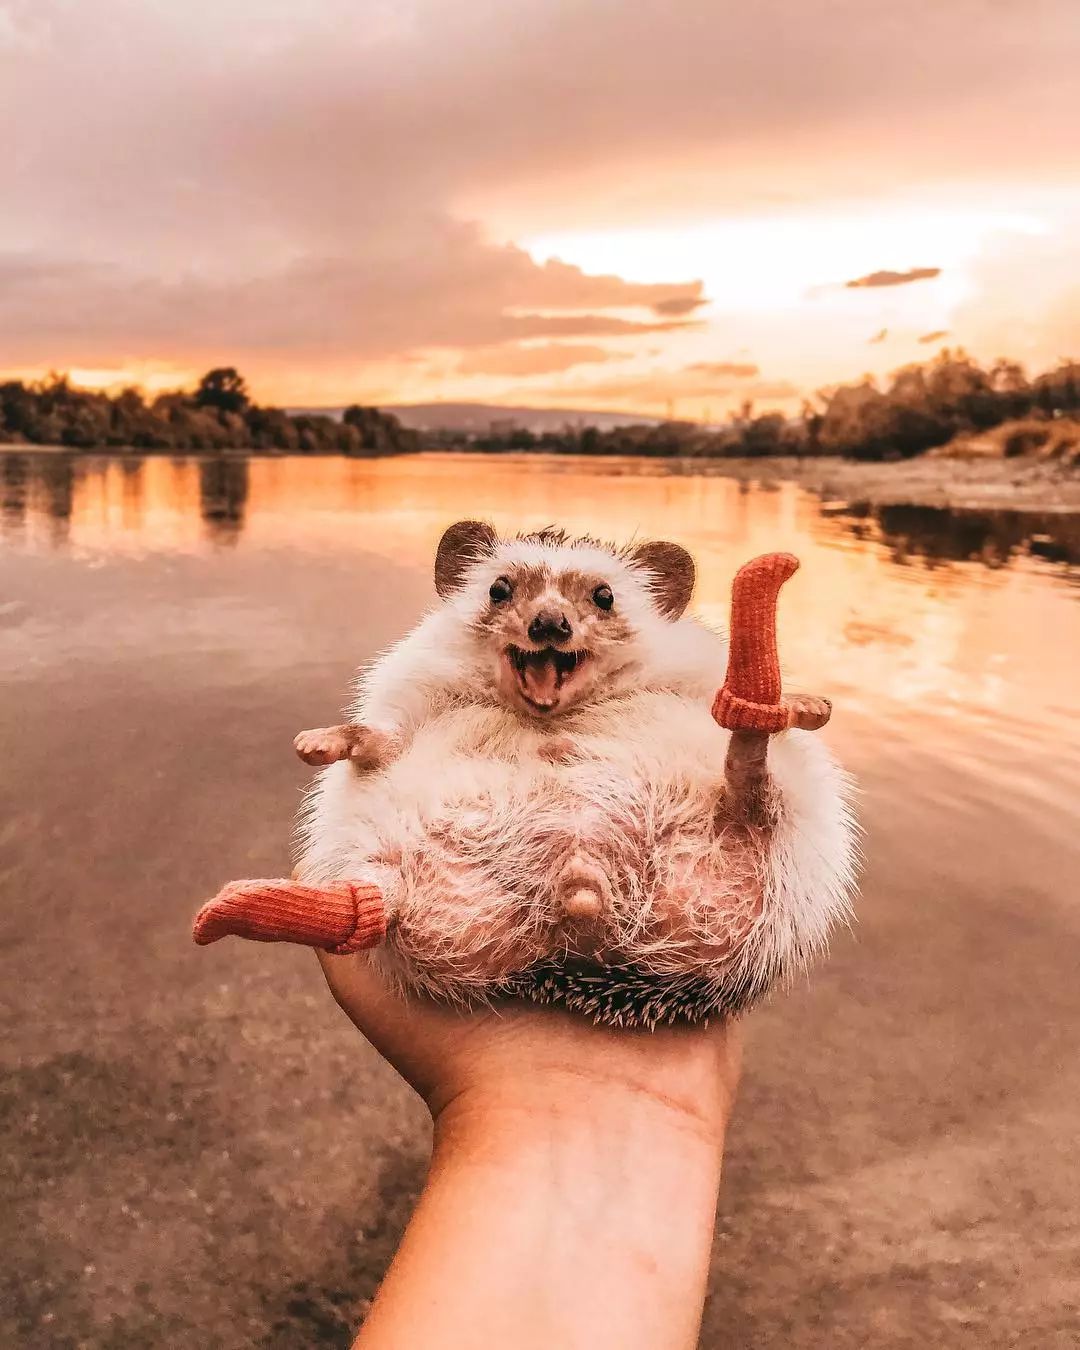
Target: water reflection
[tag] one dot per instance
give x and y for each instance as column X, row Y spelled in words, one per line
column 14, row 480
column 115, row 503
column 223, row 495
column 945, row 534
column 43, row 486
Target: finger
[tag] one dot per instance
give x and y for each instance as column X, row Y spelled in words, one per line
column 417, row 1037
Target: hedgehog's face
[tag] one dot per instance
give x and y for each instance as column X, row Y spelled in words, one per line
column 558, row 623
column 554, row 631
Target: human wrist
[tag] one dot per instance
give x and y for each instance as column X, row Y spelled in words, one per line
column 579, row 1115
column 680, row 1080
column 610, row 1192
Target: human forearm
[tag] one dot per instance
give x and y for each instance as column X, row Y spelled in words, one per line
column 579, row 1214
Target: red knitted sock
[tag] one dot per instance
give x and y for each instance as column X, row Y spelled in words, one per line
column 750, row 698
column 343, row 916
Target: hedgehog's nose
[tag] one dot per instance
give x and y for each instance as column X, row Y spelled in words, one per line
column 549, row 627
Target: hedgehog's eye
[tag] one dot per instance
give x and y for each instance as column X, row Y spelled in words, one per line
column 501, row 590
column 602, row 597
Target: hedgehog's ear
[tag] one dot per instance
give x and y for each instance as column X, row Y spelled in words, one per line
column 459, row 548
column 672, row 571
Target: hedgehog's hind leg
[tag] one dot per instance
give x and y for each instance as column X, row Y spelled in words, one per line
column 339, row 916
column 747, row 796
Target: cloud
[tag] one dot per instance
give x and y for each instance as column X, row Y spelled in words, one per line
column 738, row 369
column 560, row 285
column 233, row 204
column 546, row 359
column 935, row 336
column 434, row 285
column 879, row 336
column 1024, row 300
column 658, row 390
column 894, row 278
column 677, row 305
column 205, row 181
column 146, row 116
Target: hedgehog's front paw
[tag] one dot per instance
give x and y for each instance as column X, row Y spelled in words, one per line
column 807, row 711
column 367, row 747
column 323, row 745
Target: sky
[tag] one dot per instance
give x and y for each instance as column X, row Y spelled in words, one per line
column 660, row 208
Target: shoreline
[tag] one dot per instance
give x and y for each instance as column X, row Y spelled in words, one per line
column 1020, row 484
column 949, row 484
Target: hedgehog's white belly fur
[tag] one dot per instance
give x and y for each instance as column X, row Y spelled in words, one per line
column 468, row 831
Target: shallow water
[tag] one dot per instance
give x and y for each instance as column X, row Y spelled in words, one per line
column 166, row 624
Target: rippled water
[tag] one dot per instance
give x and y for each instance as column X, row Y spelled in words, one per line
column 166, row 624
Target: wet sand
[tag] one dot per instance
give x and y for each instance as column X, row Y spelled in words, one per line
column 926, row 480
column 198, row 1151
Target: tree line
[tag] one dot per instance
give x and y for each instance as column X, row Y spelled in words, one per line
column 916, row 409
column 218, row 415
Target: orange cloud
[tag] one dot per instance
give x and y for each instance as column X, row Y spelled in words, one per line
column 435, row 284
column 547, row 359
column 741, row 370
column 895, row 278
column 677, row 305
column 655, row 390
column 935, row 336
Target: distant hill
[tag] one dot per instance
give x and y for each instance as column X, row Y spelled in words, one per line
column 479, row 417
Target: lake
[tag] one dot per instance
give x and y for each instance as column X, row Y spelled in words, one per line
column 197, row 1150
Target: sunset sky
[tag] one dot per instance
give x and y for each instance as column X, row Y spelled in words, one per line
column 652, row 207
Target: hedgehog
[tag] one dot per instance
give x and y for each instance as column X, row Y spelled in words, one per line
column 539, row 793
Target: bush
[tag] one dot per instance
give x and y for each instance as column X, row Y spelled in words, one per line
column 218, row 416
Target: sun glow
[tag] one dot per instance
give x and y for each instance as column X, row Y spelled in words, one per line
column 770, row 263
column 148, row 376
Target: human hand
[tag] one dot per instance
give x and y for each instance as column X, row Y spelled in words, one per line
column 518, row 1056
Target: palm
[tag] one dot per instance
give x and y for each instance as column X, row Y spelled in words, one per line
column 446, row 1052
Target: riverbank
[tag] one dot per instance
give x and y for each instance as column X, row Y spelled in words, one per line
column 953, row 484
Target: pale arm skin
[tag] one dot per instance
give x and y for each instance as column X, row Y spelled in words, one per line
column 574, row 1175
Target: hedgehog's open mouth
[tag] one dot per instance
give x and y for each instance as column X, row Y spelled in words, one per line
column 544, row 677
